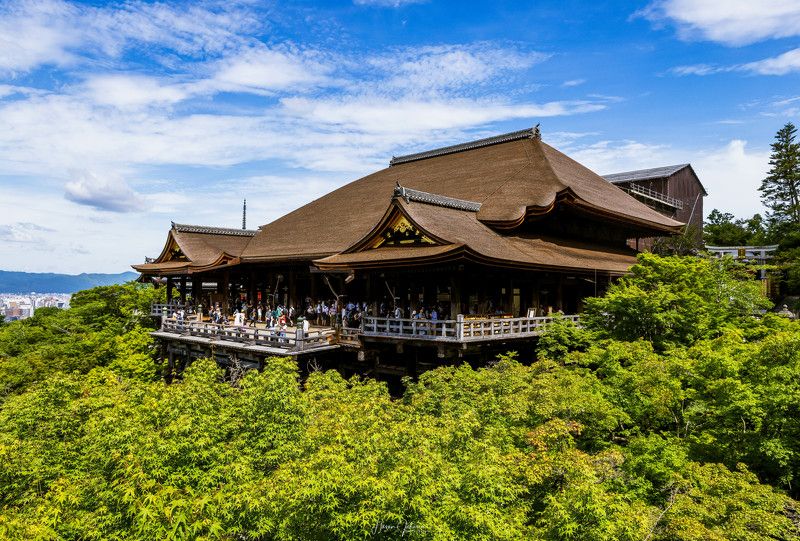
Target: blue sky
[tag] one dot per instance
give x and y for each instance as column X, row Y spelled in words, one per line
column 116, row 118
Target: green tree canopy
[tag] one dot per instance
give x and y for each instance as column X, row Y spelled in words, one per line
column 723, row 229
column 675, row 300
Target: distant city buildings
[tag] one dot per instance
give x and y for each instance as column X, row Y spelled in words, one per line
column 15, row 306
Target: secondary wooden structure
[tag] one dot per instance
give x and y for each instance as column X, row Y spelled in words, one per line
column 506, row 225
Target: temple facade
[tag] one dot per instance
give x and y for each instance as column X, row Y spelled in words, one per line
column 446, row 253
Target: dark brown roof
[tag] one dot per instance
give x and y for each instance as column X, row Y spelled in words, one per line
column 461, row 235
column 510, row 177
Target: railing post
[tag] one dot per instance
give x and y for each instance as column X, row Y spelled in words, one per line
column 299, row 338
column 460, row 327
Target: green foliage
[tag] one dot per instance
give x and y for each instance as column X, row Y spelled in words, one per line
column 723, row 229
column 692, row 438
column 674, row 300
column 105, row 326
column 563, row 336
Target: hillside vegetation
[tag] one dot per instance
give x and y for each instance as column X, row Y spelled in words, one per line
column 673, row 415
column 45, row 282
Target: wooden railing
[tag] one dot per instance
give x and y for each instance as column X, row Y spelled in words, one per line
column 427, row 329
column 655, row 196
column 451, row 330
column 295, row 340
column 348, row 336
column 459, row 329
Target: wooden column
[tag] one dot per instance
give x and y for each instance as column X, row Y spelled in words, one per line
column 169, row 289
column 560, row 293
column 226, row 291
column 252, row 292
column 197, row 290
column 293, row 291
column 455, row 294
column 183, row 289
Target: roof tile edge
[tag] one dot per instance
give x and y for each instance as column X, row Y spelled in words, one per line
column 529, row 133
column 186, row 228
column 419, row 196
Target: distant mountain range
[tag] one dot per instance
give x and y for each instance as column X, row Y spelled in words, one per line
column 35, row 282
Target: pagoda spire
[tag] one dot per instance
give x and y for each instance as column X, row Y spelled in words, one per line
column 244, row 214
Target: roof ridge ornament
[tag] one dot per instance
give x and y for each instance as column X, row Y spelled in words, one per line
column 529, row 133
column 400, row 191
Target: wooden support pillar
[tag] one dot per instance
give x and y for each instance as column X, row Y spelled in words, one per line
column 293, row 300
column 197, row 290
column 560, row 293
column 252, row 292
column 183, row 289
column 169, row 289
column 456, row 283
column 226, row 291
column 368, row 294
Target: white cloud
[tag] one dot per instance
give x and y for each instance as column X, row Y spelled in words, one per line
column 262, row 69
column 412, row 116
column 573, row 82
column 130, row 91
column 425, row 69
column 782, row 64
column 731, row 22
column 697, row 69
column 22, row 233
column 779, row 65
column 387, row 3
column 732, row 175
column 106, row 193
column 34, row 33
column 41, row 32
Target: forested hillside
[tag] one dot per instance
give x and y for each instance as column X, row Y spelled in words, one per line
column 672, row 415
column 45, row 282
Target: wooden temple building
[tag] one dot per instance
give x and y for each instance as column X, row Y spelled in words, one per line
column 498, row 234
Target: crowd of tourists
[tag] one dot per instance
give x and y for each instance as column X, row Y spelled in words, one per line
column 322, row 313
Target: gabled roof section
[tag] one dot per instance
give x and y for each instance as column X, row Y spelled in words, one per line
column 655, row 173
column 461, row 236
column 191, row 248
column 397, row 229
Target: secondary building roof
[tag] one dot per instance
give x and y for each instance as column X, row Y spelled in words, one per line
column 654, row 173
column 194, row 248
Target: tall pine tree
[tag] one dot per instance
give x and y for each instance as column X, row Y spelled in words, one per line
column 780, row 191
